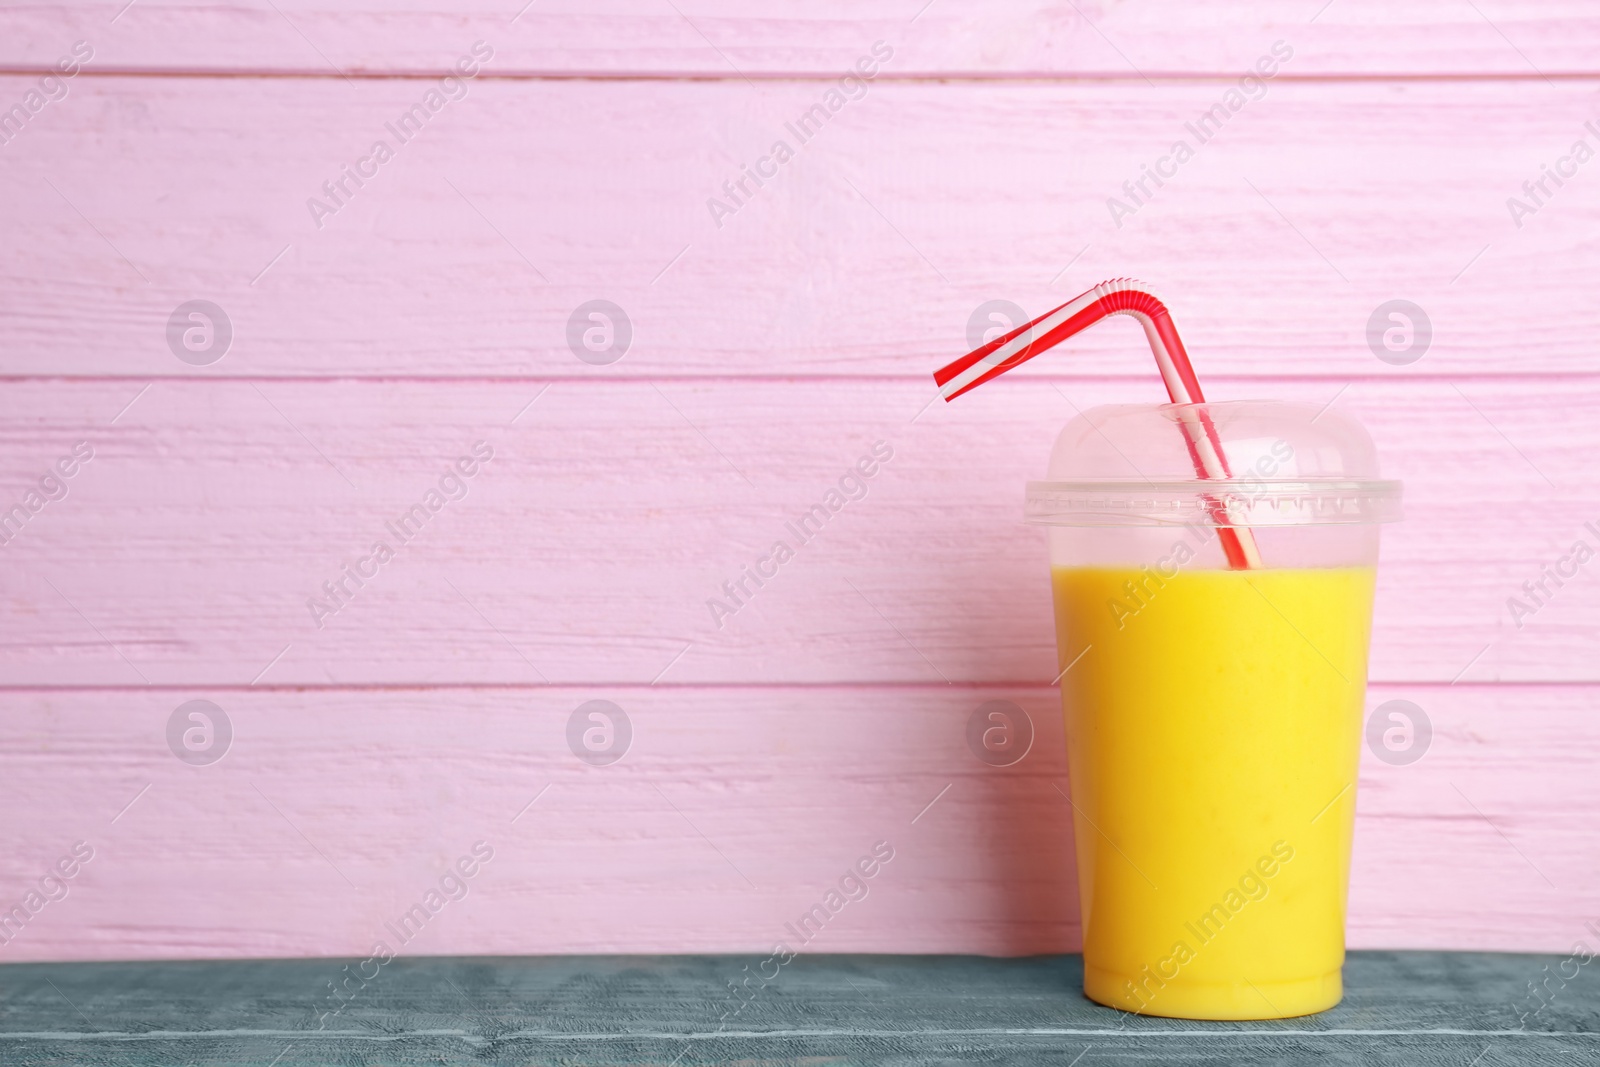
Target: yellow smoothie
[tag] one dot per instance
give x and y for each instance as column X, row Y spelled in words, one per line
column 1213, row 725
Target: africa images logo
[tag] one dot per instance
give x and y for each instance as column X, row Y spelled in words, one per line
column 407, row 125
column 852, row 85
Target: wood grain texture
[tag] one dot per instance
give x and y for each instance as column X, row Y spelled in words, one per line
column 772, row 346
column 732, row 811
column 630, row 37
column 1400, row 1008
column 866, row 255
column 189, row 550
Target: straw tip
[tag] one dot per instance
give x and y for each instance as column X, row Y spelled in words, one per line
column 948, row 379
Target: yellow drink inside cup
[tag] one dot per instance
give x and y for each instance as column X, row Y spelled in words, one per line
column 1212, row 730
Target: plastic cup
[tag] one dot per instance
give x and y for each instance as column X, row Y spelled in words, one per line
column 1213, row 714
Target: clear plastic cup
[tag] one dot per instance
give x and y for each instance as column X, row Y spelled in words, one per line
column 1213, row 715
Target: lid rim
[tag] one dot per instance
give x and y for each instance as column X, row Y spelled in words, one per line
column 1384, row 486
column 1247, row 502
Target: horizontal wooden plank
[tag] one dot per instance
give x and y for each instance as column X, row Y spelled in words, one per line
column 731, row 811
column 869, row 253
column 189, row 550
column 1400, row 1008
column 725, row 40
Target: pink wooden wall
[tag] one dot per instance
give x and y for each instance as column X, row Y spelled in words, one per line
column 768, row 354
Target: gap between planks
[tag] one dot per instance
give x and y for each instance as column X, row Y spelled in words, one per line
column 646, row 687
column 1040, row 77
column 580, row 377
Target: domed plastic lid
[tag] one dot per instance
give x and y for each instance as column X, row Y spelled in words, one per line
column 1290, row 465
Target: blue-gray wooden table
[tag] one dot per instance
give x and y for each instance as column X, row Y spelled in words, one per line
column 1410, row 1008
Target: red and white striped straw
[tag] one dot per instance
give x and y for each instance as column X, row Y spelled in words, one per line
column 1119, row 296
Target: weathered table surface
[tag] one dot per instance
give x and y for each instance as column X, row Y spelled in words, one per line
column 1412, row 1008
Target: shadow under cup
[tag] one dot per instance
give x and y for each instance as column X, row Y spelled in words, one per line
column 1213, row 715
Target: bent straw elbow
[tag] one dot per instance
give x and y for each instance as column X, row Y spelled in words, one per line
column 1116, row 296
